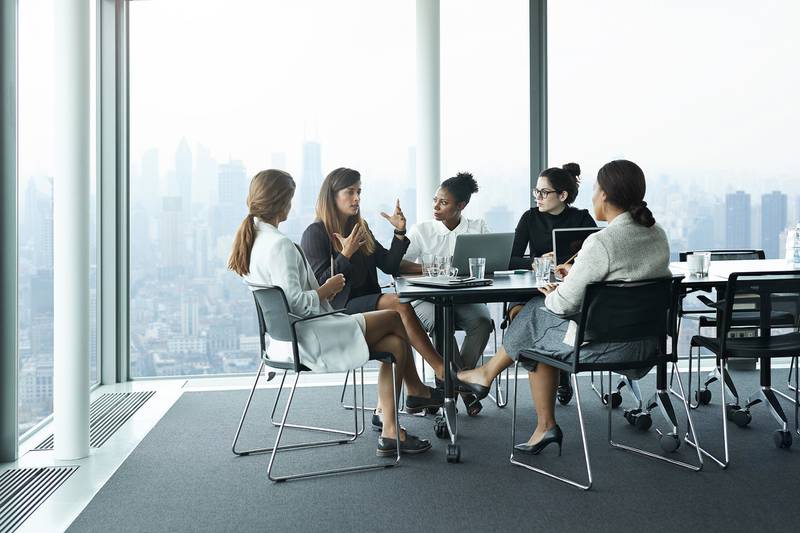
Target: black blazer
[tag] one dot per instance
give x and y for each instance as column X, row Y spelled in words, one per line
column 359, row 271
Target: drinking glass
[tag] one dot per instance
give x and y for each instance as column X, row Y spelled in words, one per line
column 706, row 263
column 429, row 265
column 542, row 267
column 477, row 267
column 443, row 266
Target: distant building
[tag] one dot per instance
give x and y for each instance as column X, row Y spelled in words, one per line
column 170, row 237
column 773, row 222
column 737, row 220
column 500, row 219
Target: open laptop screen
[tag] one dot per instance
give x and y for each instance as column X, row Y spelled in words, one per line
column 568, row 241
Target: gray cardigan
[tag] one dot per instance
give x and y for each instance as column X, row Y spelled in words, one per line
column 624, row 250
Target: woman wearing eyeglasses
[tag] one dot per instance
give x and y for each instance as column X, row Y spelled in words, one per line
column 556, row 190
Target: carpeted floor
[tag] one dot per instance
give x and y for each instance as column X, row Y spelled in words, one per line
column 183, row 477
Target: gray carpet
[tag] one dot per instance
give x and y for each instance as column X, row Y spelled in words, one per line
column 183, row 477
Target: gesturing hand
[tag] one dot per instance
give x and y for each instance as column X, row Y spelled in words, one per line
column 352, row 242
column 398, row 219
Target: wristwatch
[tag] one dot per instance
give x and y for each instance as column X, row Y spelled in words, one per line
column 398, row 232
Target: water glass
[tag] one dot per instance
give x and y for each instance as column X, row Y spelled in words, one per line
column 443, row 265
column 477, row 267
column 706, row 262
column 542, row 267
column 429, row 265
column 698, row 263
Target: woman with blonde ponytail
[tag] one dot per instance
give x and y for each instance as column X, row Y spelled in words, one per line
column 262, row 255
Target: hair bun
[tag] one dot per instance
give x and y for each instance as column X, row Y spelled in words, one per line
column 467, row 181
column 642, row 215
column 574, row 169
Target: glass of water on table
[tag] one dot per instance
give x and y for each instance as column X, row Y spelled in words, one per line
column 477, row 267
column 542, row 267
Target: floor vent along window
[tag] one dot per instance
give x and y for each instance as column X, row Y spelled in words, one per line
column 106, row 415
column 22, row 490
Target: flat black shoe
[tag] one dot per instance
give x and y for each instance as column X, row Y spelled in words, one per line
column 377, row 423
column 550, row 436
column 477, row 389
column 473, row 404
column 417, row 404
column 412, row 445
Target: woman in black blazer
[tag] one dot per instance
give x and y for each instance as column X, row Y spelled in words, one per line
column 340, row 242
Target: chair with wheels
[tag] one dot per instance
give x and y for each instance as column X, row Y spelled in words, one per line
column 746, row 319
column 275, row 319
column 769, row 289
column 620, row 312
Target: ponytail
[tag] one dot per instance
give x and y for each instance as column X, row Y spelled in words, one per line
column 642, row 215
column 239, row 260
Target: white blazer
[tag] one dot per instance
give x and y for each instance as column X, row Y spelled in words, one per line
column 330, row 344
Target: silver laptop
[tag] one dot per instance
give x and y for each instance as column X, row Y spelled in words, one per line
column 568, row 241
column 495, row 247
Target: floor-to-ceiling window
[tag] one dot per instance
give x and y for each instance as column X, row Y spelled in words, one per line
column 485, row 99
column 36, row 175
column 702, row 95
column 220, row 90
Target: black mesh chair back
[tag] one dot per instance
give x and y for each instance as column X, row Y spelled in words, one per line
column 727, row 255
column 622, row 311
column 766, row 290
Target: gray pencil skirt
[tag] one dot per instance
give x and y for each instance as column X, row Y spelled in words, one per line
column 537, row 328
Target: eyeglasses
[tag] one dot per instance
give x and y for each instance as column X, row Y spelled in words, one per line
column 543, row 193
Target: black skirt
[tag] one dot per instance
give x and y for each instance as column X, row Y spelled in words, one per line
column 362, row 304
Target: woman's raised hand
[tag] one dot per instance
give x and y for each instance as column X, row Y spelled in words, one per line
column 352, row 242
column 397, row 219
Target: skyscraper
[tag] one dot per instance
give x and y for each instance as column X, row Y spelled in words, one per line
column 737, row 220
column 232, row 206
column 43, row 230
column 170, row 237
column 183, row 174
column 773, row 222
column 312, row 174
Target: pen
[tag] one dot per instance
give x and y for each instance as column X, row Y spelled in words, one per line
column 571, row 259
column 333, row 270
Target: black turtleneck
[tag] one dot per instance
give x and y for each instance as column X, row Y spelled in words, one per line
column 535, row 231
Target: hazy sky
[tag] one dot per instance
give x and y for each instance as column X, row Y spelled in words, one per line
column 703, row 91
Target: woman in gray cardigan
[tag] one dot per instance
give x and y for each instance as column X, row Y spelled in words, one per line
column 631, row 247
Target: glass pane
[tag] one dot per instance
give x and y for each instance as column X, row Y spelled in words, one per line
column 485, row 98
column 305, row 86
column 701, row 96
column 36, row 89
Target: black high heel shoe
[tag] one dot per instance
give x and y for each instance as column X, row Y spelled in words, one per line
column 480, row 391
column 551, row 435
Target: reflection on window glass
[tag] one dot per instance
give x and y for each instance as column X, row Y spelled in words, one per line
column 289, row 85
column 36, row 175
column 701, row 95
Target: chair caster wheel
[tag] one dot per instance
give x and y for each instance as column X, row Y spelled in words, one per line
column 639, row 419
column 440, row 428
column 737, row 415
column 702, row 397
column 564, row 394
column 783, row 439
column 453, row 453
column 669, row 442
column 431, row 410
column 616, row 399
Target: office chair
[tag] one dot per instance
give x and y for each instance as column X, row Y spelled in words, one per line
column 767, row 288
column 275, row 319
column 620, row 311
column 745, row 320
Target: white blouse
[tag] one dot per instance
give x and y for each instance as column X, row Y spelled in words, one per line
column 433, row 237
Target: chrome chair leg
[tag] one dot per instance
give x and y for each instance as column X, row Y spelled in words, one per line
column 499, row 397
column 282, row 425
column 693, row 441
column 670, row 441
column 532, row 468
column 793, row 388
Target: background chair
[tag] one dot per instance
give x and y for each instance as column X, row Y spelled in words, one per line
column 769, row 288
column 745, row 320
column 275, row 319
column 618, row 311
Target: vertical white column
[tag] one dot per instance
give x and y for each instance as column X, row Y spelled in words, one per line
column 71, row 231
column 428, row 112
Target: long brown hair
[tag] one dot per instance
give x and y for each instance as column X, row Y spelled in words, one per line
column 328, row 213
column 624, row 184
column 270, row 194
